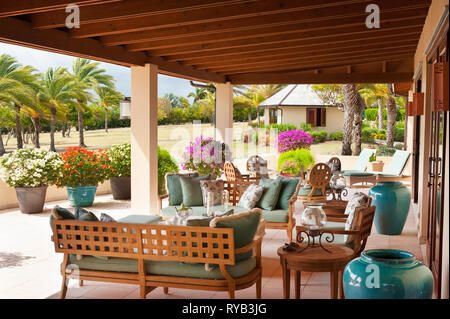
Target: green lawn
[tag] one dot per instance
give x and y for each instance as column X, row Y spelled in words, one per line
column 173, row 138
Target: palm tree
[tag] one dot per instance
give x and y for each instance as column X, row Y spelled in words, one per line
column 351, row 100
column 107, row 97
column 88, row 76
column 58, row 92
column 376, row 93
column 198, row 94
column 391, row 109
column 21, row 89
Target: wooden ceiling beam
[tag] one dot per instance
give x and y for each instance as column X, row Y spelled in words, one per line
column 259, row 22
column 281, row 51
column 129, row 9
column 375, row 34
column 20, row 32
column 311, row 9
column 268, row 34
column 373, row 64
column 20, row 7
column 312, row 78
column 311, row 63
column 312, row 55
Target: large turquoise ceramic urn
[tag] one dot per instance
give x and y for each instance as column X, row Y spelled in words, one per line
column 392, row 201
column 81, row 196
column 387, row 274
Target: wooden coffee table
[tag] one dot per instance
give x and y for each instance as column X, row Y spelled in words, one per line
column 315, row 259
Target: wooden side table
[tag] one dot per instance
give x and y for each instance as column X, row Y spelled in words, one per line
column 315, row 260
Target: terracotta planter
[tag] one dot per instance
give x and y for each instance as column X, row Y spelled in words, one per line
column 31, row 199
column 121, row 187
column 376, row 166
column 287, row 174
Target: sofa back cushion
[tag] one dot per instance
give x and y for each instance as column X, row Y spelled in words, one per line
column 215, row 188
column 269, row 198
column 251, row 196
column 174, row 188
column 244, row 225
column 288, row 187
column 191, row 189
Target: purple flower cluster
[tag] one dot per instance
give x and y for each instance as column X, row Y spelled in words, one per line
column 292, row 140
column 205, row 156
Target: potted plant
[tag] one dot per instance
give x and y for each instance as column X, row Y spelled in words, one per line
column 206, row 156
column 290, row 168
column 30, row 171
column 82, row 171
column 302, row 157
column 119, row 157
column 374, row 165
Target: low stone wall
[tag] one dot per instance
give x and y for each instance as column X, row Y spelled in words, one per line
column 8, row 198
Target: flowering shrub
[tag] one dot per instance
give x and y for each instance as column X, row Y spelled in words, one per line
column 302, row 157
column 84, row 168
column 120, row 160
column 30, row 167
column 205, row 156
column 290, row 166
column 292, row 140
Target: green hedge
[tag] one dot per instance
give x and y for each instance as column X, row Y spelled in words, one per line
column 386, row 151
column 319, row 136
column 336, row 136
column 371, row 114
column 399, row 134
column 165, row 165
column 366, row 134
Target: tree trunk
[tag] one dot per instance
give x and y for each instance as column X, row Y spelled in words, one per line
column 69, row 129
column 350, row 95
column 391, row 110
column 106, row 120
column 380, row 115
column 357, row 124
column 2, row 147
column 81, row 129
column 52, row 129
column 37, row 129
column 63, row 129
column 18, row 128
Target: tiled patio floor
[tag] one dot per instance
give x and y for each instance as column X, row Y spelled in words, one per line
column 29, row 267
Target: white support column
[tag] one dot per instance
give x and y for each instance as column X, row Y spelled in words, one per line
column 144, row 139
column 224, row 113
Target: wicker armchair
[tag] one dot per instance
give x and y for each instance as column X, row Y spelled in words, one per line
column 232, row 174
column 318, row 178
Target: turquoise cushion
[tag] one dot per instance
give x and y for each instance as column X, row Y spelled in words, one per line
column 140, row 219
column 192, row 191
column 174, row 188
column 63, row 213
column 276, row 216
column 245, row 226
column 269, row 198
column 350, row 173
column 85, row 215
column 397, row 163
column 305, row 191
column 288, row 187
column 165, row 268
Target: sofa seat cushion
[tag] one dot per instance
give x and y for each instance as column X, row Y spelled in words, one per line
column 276, row 216
column 164, row 268
column 140, row 219
column 357, row 173
column 170, row 211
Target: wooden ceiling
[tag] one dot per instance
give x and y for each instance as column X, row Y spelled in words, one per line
column 241, row 41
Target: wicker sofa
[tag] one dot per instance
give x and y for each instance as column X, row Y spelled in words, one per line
column 225, row 257
column 275, row 219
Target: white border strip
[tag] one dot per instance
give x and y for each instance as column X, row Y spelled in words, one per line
column 418, row 69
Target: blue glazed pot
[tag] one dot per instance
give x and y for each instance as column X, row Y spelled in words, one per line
column 387, row 274
column 81, row 196
column 392, row 201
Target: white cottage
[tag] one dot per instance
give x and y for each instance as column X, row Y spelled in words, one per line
column 298, row 103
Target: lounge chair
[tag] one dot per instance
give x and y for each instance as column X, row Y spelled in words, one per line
column 394, row 171
column 358, row 174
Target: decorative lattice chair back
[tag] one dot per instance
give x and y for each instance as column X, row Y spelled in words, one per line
column 320, row 175
column 231, row 172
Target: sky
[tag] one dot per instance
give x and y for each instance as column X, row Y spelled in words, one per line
column 42, row 60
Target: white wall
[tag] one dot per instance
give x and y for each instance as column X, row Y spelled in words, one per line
column 297, row 115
